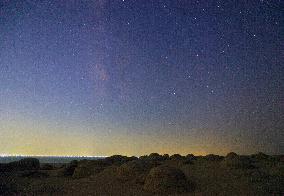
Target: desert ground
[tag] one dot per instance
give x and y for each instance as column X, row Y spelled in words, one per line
column 154, row 174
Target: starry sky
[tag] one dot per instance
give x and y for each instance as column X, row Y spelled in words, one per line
column 86, row 77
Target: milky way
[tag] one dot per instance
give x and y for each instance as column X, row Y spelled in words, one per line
column 133, row 77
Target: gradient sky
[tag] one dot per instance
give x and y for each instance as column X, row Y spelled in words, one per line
column 86, row 77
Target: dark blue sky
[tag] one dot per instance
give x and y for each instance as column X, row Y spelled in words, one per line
column 134, row 77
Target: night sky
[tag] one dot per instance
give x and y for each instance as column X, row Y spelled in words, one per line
column 86, row 77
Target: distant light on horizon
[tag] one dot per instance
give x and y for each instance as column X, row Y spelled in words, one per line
column 67, row 156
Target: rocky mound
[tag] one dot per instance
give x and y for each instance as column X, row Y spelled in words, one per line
column 166, row 180
column 23, row 164
column 88, row 168
column 132, row 171
column 135, row 170
column 65, row 170
column 28, row 164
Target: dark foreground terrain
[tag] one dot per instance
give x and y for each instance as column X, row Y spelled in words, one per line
column 154, row 174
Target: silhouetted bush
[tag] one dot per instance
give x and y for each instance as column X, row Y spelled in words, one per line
column 166, row 156
column 237, row 162
column 260, row 156
column 190, row 157
column 118, row 159
column 176, row 157
column 213, row 157
column 157, row 157
column 153, row 159
column 231, row 155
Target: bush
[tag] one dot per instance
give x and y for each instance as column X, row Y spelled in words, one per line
column 260, row 156
column 231, row 155
column 118, row 159
column 213, row 157
column 155, row 157
column 237, row 162
column 190, row 157
column 176, row 157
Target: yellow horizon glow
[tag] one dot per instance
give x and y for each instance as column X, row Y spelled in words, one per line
column 34, row 139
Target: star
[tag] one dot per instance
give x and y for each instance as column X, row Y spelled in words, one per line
column 111, row 67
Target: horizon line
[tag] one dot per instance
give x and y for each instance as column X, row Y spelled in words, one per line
column 22, row 155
